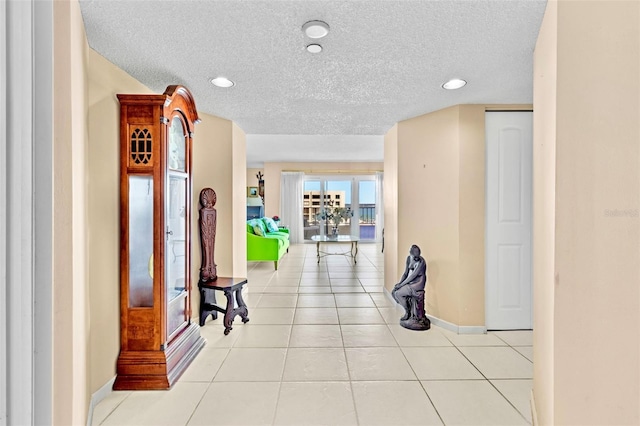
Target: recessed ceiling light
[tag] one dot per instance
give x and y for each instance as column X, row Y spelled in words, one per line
column 454, row 83
column 222, row 82
column 315, row 29
column 314, row 48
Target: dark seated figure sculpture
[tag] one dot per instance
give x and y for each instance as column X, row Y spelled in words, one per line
column 409, row 292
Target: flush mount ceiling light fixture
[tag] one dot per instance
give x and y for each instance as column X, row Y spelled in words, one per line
column 315, row 29
column 314, row 48
column 454, row 83
column 222, row 82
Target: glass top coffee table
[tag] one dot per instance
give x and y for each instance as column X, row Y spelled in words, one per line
column 340, row 239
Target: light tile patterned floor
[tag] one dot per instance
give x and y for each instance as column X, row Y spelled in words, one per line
column 324, row 347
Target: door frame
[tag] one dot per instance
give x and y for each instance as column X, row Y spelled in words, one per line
column 486, row 225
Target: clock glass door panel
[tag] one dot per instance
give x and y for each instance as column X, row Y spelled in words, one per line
column 177, row 145
column 140, row 241
column 176, row 221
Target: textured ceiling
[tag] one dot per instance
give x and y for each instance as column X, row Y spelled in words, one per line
column 383, row 61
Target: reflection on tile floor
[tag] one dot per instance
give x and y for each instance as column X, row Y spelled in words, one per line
column 324, row 347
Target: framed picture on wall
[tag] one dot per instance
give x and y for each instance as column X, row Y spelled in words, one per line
column 252, row 191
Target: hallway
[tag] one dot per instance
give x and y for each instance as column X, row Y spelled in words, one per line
column 324, row 347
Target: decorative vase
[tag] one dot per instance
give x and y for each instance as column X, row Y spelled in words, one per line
column 334, row 231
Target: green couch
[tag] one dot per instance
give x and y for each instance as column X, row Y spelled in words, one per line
column 267, row 248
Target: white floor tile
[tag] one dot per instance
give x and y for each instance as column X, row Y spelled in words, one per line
column 280, row 289
column 391, row 315
column 354, row 301
column 171, row 407
column 518, row 392
column 516, row 337
column 372, row 275
column 278, row 301
column 345, row 338
column 435, row 363
column 264, row 336
column 367, row 336
column 342, row 275
column 237, row 404
column 213, row 333
column 347, row 279
column 473, row 339
column 283, row 282
column 322, row 403
column 383, row 301
column 347, row 289
column 251, row 297
column 526, row 351
column 315, row 364
column 316, row 336
column 316, row 316
column 370, row 281
column 311, row 282
column 359, row 316
column 205, row 366
column 378, row 364
column 252, row 365
column 107, row 405
column 431, row 337
column 314, row 290
column 316, row 301
column 393, row 404
column 471, row 402
column 270, row 316
column 499, row 363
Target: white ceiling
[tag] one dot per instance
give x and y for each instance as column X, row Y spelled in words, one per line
column 313, row 148
column 383, row 61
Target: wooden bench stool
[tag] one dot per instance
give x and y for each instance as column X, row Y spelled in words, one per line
column 232, row 288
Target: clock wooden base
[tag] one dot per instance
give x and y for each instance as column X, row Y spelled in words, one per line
column 157, row 370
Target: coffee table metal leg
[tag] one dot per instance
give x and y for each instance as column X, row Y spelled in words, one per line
column 318, row 251
column 355, row 256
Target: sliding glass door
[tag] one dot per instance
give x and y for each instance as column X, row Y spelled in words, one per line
column 367, row 209
column 355, row 194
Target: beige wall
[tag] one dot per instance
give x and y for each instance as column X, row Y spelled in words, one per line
column 219, row 162
column 105, row 81
column 252, row 180
column 440, row 207
column 471, row 224
column 272, row 172
column 428, row 187
column 70, row 308
column 390, row 194
column 238, row 183
column 544, row 192
column 593, row 299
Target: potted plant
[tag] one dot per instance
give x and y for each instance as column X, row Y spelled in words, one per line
column 337, row 216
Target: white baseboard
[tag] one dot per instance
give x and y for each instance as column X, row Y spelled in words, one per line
column 458, row 329
column 98, row 396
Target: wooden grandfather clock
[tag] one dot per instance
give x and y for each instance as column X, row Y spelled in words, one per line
column 158, row 338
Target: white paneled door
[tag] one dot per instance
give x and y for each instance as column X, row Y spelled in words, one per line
column 508, row 293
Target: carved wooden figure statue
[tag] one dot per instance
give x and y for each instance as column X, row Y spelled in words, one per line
column 208, row 217
column 409, row 292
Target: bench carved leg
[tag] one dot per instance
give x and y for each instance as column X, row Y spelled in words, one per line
column 207, row 300
column 242, row 307
column 229, row 314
